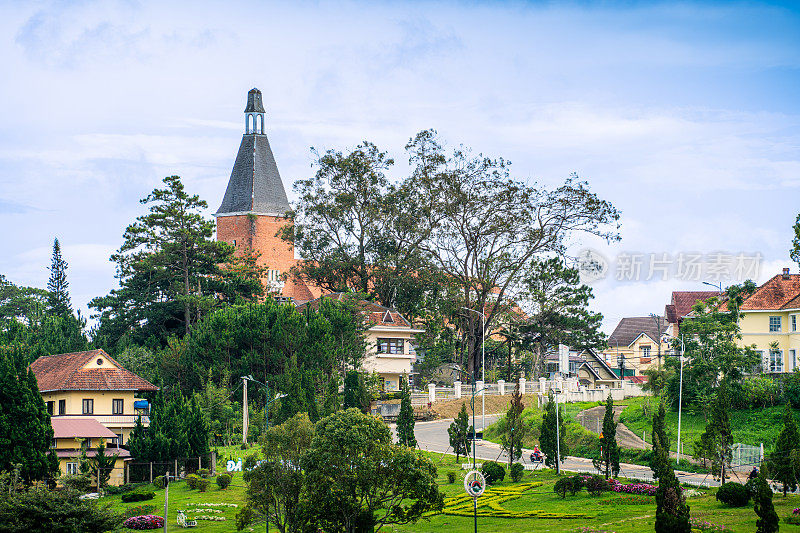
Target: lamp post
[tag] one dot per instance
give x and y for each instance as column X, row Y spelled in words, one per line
column 483, row 369
column 716, row 286
column 472, row 375
column 680, row 395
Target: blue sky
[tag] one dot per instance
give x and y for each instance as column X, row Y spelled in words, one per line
column 684, row 115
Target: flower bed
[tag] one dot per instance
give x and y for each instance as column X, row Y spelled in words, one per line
column 490, row 505
column 212, row 505
column 147, row 521
column 702, row 525
column 628, row 500
column 644, row 489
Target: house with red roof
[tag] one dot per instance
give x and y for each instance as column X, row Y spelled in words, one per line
column 90, row 396
column 681, row 305
column 390, row 339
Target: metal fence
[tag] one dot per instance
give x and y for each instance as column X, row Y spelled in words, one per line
column 746, row 454
column 140, row 471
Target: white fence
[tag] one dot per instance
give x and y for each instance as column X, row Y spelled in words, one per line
column 570, row 390
column 747, row 455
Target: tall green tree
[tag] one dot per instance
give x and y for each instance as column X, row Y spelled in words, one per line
column 356, row 394
column 672, row 512
column 779, row 463
column 460, row 433
column 19, row 304
column 608, row 460
column 331, row 402
column 794, row 252
column 102, row 465
column 25, row 430
column 405, row 420
column 359, row 481
column 718, row 438
column 547, row 434
column 299, row 389
column 767, row 521
column 558, row 309
column 58, row 300
column 513, row 430
column 170, row 270
column 275, row 487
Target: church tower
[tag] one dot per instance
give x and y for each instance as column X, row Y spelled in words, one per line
column 254, row 207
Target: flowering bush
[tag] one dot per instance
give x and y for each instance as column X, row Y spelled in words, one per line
column 633, row 488
column 147, row 521
column 628, row 500
column 796, row 510
column 702, row 525
column 212, row 505
column 139, row 510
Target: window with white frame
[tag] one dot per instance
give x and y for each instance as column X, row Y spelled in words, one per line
column 393, row 346
column 775, row 361
column 274, row 276
column 793, row 359
column 774, row 324
column 764, row 365
column 72, row 469
column 793, row 319
column 644, row 351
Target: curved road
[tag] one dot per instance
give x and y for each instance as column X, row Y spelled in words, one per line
column 433, row 437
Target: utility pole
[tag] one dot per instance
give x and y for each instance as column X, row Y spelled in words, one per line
column 166, row 500
column 558, row 437
column 245, row 413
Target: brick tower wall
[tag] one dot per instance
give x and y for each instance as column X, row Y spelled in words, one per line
column 258, row 233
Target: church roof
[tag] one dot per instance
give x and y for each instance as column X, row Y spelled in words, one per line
column 255, row 185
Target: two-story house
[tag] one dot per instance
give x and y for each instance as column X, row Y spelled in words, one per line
column 390, row 340
column 91, row 386
column 633, row 347
column 72, row 435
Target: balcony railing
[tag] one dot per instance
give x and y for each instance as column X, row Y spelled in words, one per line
column 112, row 420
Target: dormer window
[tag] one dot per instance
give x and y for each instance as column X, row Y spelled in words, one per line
column 388, row 318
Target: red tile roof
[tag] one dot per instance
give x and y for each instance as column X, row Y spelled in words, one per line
column 84, row 427
column 110, row 450
column 777, row 293
column 683, row 301
column 374, row 314
column 65, row 372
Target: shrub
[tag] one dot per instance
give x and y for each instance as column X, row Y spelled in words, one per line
column 122, row 489
column 223, row 480
column 562, row 486
column 191, row 481
column 148, row 521
column 792, row 519
column 243, row 446
column 139, row 510
column 203, row 472
column 733, row 494
column 644, row 489
column 202, row 484
column 451, row 477
column 40, row 510
column 493, row 472
column 159, row 482
column 757, row 392
column 138, row 496
column 516, row 472
column 596, row 485
column 78, row 483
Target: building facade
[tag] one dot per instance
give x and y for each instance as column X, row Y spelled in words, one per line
column 635, row 344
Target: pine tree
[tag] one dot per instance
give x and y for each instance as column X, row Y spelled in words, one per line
column 196, row 430
column 405, row 420
column 547, row 434
column 25, row 430
column 58, row 300
column 609, row 449
column 718, row 437
column 355, row 391
column 767, row 517
column 460, row 432
column 513, row 428
column 102, row 465
column 332, row 403
column 672, row 513
column 779, row 462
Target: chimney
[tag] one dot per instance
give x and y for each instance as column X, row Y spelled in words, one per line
column 785, row 273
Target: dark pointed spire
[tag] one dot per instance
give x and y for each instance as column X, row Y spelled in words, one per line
column 255, row 184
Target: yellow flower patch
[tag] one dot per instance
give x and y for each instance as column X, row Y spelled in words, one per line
column 491, row 504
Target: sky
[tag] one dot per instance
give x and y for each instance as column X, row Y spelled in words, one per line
column 684, row 116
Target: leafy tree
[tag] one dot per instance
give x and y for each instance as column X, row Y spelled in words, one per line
column 355, row 391
column 762, row 494
column 482, row 228
column 711, row 346
column 102, row 465
column 275, row 486
column 779, row 462
column 609, row 449
column 558, row 309
column 359, row 481
column 142, row 361
column 794, row 252
column 39, row 510
column 177, row 429
column 19, row 304
column 514, row 430
column 717, row 439
column 660, row 440
column 461, row 433
column 58, row 300
column 547, row 434
column 405, row 420
column 170, row 272
column 331, row 403
column 25, row 430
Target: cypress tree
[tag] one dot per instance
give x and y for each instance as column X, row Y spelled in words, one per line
column 196, row 430
column 718, row 437
column 779, row 462
column 355, row 391
column 460, row 432
column 767, row 517
column 609, row 449
column 405, row 420
column 514, row 431
column 547, row 435
column 672, row 513
column 331, row 403
column 58, row 300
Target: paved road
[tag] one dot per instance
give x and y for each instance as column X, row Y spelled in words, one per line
column 592, row 419
column 433, row 437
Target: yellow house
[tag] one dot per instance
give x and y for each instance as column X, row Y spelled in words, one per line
column 92, row 386
column 770, row 320
column 633, row 347
column 390, row 341
column 72, row 434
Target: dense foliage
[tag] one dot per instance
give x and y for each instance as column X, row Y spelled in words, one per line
column 39, row 510
column 493, row 472
column 405, row 420
column 733, row 494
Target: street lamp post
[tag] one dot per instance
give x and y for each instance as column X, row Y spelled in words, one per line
column 680, row 396
column 474, row 467
column 483, row 370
